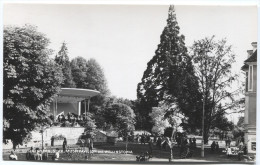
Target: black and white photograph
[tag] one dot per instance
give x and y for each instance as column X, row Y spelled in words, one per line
column 129, row 83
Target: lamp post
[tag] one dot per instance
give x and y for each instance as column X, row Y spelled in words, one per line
column 42, row 131
column 127, row 127
column 202, row 140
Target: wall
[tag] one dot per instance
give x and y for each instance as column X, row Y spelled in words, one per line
column 254, row 77
column 72, row 135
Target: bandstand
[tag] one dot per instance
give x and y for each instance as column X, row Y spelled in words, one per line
column 70, row 100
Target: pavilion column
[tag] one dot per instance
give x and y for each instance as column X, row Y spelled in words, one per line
column 79, row 107
column 85, row 109
column 88, row 103
column 56, row 109
column 53, row 106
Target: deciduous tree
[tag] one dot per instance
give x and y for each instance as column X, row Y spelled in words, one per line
column 213, row 61
column 31, row 80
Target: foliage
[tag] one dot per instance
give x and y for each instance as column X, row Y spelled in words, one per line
column 31, row 80
column 79, row 71
column 169, row 75
column 213, row 61
column 88, row 74
column 89, row 124
column 59, row 137
column 121, row 116
column 96, row 80
column 241, row 122
column 159, row 124
column 239, row 128
column 63, row 60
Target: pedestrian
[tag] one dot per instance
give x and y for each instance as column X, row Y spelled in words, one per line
column 155, row 139
column 56, row 155
column 37, row 155
column 194, row 142
column 44, row 154
column 29, row 154
column 182, row 146
column 63, row 118
column 229, row 152
column 151, row 146
column 190, row 141
column 245, row 149
column 52, row 141
column 90, row 145
column 13, row 156
column 69, row 117
column 64, row 145
column 242, row 139
column 142, row 139
column 213, row 146
column 158, row 143
column 240, row 146
column 217, row 146
column 148, row 138
column 228, row 141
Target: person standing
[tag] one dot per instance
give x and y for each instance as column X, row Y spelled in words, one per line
column 158, row 143
column 56, row 155
column 213, row 146
column 64, row 145
column 217, row 146
column 151, row 146
column 190, row 141
column 229, row 152
column 194, row 142
column 90, row 145
column 29, row 154
column 37, row 154
column 52, row 141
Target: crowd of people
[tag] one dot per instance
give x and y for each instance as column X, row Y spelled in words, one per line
column 70, row 119
column 186, row 147
column 185, row 144
column 38, row 155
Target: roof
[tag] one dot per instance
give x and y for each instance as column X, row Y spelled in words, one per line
column 253, row 57
column 73, row 95
column 108, row 134
column 140, row 132
column 244, row 67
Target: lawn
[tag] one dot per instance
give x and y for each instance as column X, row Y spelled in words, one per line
column 107, row 152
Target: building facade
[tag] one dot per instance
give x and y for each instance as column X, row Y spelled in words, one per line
column 250, row 68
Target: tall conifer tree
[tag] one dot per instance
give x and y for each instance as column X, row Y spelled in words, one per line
column 62, row 59
column 168, row 72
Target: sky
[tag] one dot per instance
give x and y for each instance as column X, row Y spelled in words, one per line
column 123, row 38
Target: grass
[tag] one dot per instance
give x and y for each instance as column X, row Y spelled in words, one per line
column 135, row 149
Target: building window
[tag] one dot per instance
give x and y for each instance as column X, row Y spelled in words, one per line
column 250, row 82
column 246, row 81
column 253, row 146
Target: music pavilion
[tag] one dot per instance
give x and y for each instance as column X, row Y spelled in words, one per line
column 70, row 99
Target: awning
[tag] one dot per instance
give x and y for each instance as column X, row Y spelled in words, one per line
column 73, row 95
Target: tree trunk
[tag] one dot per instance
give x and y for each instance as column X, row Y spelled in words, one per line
column 171, row 145
column 14, row 145
column 206, row 136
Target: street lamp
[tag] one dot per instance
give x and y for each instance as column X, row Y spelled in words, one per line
column 42, row 131
column 202, row 140
column 126, row 136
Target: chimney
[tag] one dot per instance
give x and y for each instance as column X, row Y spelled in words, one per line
column 250, row 52
column 254, row 44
